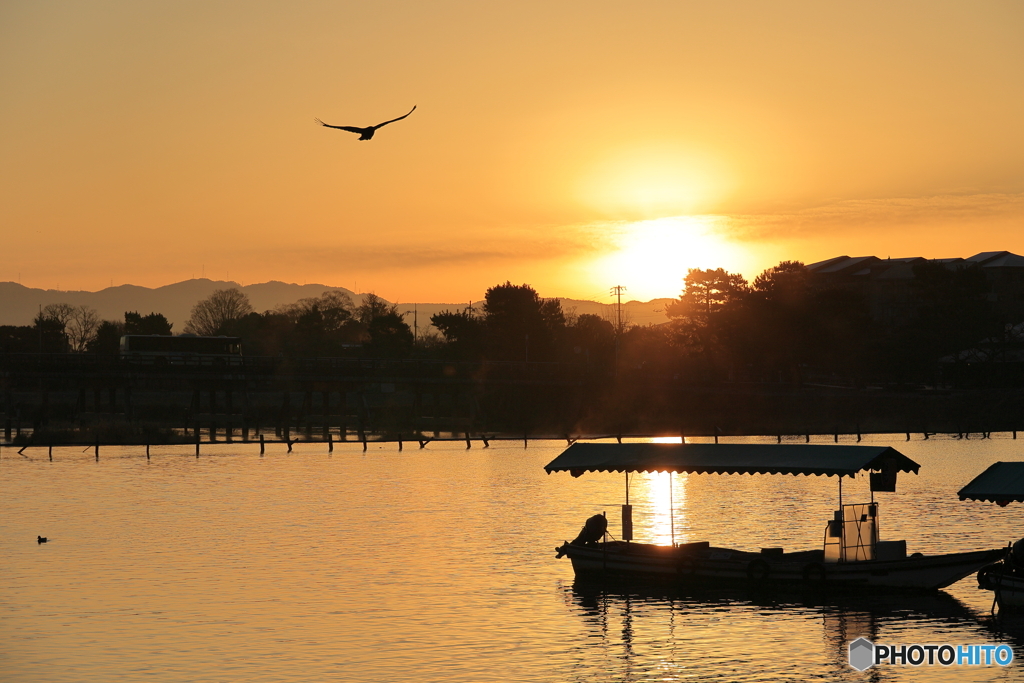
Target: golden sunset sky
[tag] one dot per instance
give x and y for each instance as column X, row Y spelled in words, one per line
column 569, row 145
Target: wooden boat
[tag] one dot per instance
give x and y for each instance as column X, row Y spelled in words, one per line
column 852, row 554
column 1001, row 483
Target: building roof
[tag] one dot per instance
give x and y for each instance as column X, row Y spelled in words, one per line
column 997, row 259
column 856, row 265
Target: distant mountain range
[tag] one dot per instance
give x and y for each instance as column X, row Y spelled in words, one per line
column 19, row 305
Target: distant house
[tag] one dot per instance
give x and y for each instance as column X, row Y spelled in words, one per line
column 1005, row 274
column 887, row 284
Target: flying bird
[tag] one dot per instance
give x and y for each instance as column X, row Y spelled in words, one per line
column 364, row 133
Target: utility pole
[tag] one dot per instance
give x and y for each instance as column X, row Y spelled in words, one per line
column 617, row 291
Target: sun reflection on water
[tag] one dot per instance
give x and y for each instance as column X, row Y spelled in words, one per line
column 665, row 512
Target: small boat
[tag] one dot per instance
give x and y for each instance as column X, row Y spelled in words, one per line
column 852, row 555
column 1001, row 483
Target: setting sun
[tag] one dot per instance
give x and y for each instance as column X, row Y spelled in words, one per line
column 652, row 257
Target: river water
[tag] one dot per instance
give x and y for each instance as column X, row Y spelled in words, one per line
column 438, row 565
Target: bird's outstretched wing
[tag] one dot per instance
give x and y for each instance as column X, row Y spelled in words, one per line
column 381, row 125
column 350, row 129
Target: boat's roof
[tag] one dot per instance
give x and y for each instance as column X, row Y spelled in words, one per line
column 1002, row 481
column 728, row 458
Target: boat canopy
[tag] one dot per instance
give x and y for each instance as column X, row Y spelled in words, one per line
column 1000, row 483
column 730, row 459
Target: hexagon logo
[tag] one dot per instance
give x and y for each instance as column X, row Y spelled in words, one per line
column 862, row 654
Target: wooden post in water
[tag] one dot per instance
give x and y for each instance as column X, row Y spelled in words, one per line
column 97, row 449
column 469, row 444
column 399, row 443
column 147, row 450
column 263, row 446
column 487, row 444
column 51, row 452
column 330, row 442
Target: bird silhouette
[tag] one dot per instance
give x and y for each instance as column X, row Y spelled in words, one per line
column 41, row 539
column 364, row 133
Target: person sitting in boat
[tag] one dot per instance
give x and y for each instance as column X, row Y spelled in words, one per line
column 593, row 531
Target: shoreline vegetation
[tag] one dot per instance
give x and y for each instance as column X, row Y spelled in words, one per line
column 790, row 354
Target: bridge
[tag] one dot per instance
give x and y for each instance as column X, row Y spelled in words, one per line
column 229, row 397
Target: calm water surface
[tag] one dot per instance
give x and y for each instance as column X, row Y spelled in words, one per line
column 438, row 565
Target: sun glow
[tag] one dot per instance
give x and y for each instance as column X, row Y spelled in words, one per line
column 652, row 257
column 647, row 179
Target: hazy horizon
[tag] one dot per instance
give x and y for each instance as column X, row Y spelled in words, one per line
column 175, row 300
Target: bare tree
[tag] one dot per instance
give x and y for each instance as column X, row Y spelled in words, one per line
column 223, row 306
column 81, row 329
column 77, row 324
column 59, row 313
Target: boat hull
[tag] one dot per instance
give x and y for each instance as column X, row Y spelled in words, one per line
column 697, row 565
column 1004, row 580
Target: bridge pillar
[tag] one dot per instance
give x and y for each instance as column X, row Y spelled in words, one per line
column 307, row 413
column 325, row 398
column 229, row 409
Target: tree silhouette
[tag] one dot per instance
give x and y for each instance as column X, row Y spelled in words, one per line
column 463, row 333
column 520, row 325
column 154, row 323
column 705, row 293
column 709, row 316
column 76, row 324
column 211, row 314
column 107, row 340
